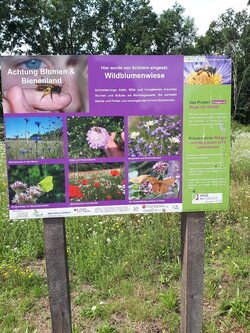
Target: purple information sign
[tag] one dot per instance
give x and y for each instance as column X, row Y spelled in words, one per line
column 93, row 135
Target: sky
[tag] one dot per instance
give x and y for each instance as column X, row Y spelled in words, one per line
column 46, row 124
column 203, row 12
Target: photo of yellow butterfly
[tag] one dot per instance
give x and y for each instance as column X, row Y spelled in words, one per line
column 158, row 186
column 46, row 184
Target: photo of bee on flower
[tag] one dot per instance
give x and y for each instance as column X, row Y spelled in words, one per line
column 96, row 182
column 207, row 70
column 154, row 180
column 91, row 137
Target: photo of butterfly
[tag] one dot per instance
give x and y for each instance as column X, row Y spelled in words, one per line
column 159, row 187
column 46, row 184
column 154, row 180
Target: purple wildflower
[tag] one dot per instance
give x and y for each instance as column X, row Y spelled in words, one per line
column 153, row 137
column 23, row 151
column 36, row 138
column 35, row 191
column 146, row 188
column 160, row 167
column 23, row 198
column 18, row 186
column 97, row 138
column 218, row 69
column 38, row 123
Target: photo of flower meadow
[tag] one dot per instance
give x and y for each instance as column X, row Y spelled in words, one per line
column 151, row 180
column 90, row 137
column 30, row 138
column 96, row 182
column 36, row 184
column 154, row 135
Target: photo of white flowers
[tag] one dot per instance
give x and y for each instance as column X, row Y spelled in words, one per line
column 154, row 135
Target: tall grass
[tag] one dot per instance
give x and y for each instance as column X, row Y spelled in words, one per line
column 125, row 270
column 240, row 156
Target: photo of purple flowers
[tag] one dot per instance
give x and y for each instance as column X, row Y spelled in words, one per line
column 154, row 135
column 91, row 137
column 36, row 184
column 154, row 180
column 29, row 138
column 207, row 70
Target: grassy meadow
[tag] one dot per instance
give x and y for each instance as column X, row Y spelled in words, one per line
column 43, row 149
column 125, row 270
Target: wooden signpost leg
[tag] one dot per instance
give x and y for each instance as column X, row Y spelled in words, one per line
column 192, row 248
column 57, row 273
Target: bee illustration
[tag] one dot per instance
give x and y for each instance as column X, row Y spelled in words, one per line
column 49, row 89
column 207, row 69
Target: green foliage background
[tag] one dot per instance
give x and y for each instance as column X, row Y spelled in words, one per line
column 127, row 27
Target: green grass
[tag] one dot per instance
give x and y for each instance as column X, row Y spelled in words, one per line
column 125, row 270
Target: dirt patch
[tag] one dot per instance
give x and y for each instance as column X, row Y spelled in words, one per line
column 38, row 267
column 39, row 318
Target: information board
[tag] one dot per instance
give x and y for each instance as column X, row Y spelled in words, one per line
column 95, row 135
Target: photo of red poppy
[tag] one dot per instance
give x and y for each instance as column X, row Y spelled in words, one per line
column 115, row 173
column 85, row 182
column 96, row 182
column 75, row 192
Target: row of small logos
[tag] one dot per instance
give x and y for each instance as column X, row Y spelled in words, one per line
column 91, row 211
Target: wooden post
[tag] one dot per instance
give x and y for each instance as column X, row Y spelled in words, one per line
column 192, row 261
column 57, row 273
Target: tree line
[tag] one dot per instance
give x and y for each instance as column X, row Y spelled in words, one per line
column 127, row 27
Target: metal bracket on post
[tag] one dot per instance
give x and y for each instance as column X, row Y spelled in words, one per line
column 192, row 260
column 57, row 273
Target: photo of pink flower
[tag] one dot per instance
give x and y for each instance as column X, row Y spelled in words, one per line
column 97, row 138
column 90, row 137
